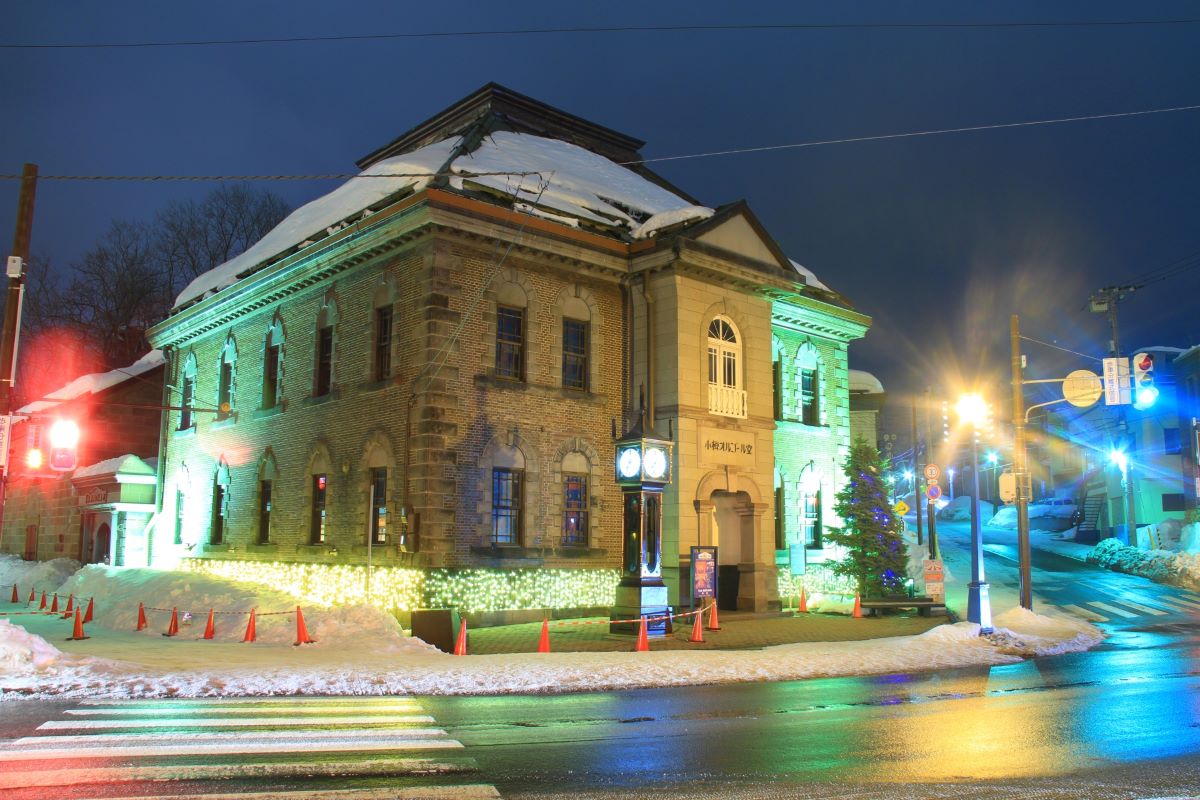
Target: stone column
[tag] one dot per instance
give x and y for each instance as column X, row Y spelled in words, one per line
column 758, row 579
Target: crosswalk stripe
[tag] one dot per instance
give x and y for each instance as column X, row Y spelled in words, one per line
column 129, row 712
column 1085, row 613
column 466, row 792
column 230, row 736
column 1179, row 601
column 1158, row 612
column 1120, row 612
column 36, row 753
column 291, row 700
column 241, row 722
column 266, row 769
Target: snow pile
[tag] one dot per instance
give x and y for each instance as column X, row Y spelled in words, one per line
column 809, row 276
column 1042, row 517
column 40, row 575
column 1189, row 538
column 1163, row 566
column 21, row 651
column 959, row 510
column 117, row 592
column 666, row 219
column 1021, row 632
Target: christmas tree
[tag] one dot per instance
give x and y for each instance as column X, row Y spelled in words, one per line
column 876, row 556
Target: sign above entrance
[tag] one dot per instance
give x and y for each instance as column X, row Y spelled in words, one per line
column 719, row 447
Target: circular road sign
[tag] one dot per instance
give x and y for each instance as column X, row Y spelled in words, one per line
column 1082, row 388
column 933, row 492
column 932, row 472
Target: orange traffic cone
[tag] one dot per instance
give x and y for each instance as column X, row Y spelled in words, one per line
column 251, row 633
column 15, row 599
column 713, row 624
column 643, row 642
column 803, row 609
column 697, row 629
column 857, row 606
column 54, row 605
column 173, row 625
column 32, row 594
column 544, row 639
column 42, row 606
column 141, row 623
column 78, row 634
column 70, row 607
column 209, row 632
column 87, row 615
column 302, row 636
column 460, row 645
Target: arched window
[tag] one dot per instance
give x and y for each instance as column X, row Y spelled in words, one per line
column 508, row 496
column 267, row 472
column 220, row 504
column 725, row 393
column 576, row 475
column 187, row 393
column 808, row 363
column 273, row 365
column 225, row 379
column 381, row 330
column 323, row 369
column 319, row 472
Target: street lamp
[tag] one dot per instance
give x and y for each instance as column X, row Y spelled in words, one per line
column 972, row 410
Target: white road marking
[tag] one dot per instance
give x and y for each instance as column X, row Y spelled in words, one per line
column 340, row 734
column 1180, row 602
column 1083, row 612
column 1158, row 612
column 190, row 722
column 1120, row 612
column 171, row 709
column 250, row 700
column 268, row 769
column 468, row 792
column 217, row 748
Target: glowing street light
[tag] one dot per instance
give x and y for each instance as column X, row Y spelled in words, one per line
column 1118, row 458
column 972, row 410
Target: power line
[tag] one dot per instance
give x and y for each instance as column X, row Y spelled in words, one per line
column 750, row 27
column 710, row 154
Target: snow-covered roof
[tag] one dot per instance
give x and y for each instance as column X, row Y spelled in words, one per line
column 809, row 276
column 861, row 381
column 125, row 465
column 572, row 184
column 94, row 383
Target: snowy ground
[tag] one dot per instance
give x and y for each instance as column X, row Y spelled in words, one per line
column 361, row 651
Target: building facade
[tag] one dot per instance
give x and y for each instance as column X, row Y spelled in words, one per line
column 426, row 367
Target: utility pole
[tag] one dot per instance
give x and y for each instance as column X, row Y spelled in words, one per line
column 916, row 468
column 15, row 269
column 1020, row 469
column 1105, row 301
column 931, row 508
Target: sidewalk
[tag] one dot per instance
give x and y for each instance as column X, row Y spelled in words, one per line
column 739, row 631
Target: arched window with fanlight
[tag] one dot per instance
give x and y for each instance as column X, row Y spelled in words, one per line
column 726, row 396
column 808, row 363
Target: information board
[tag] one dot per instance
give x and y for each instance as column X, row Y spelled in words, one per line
column 704, row 572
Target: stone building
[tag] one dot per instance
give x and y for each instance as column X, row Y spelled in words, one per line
column 426, row 366
column 98, row 511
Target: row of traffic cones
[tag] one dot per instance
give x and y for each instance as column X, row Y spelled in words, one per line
column 643, row 639
column 66, row 612
column 302, row 635
column 802, row 608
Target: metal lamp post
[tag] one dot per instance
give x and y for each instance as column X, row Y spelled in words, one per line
column 972, row 410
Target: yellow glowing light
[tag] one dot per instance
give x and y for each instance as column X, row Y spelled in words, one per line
column 972, row 409
column 33, row 458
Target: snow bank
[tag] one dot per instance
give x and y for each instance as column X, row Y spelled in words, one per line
column 1022, row 632
column 21, row 651
column 118, row 590
column 1163, row 566
column 1042, row 517
column 959, row 510
column 40, row 575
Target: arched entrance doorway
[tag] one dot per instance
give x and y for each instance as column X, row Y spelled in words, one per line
column 730, row 510
column 100, row 544
column 733, row 535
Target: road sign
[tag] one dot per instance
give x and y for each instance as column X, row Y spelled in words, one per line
column 5, row 427
column 933, row 492
column 901, row 508
column 932, row 472
column 1116, row 382
column 1008, row 487
column 1082, row 388
column 931, row 481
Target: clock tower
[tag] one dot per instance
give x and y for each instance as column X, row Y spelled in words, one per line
column 643, row 469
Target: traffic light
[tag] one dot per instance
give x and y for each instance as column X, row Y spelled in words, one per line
column 35, row 454
column 64, row 443
column 1144, row 390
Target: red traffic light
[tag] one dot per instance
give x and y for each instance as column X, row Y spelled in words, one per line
column 64, row 441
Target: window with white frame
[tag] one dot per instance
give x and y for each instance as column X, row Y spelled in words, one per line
column 187, row 394
column 272, row 365
column 225, row 380
column 808, row 362
column 726, row 396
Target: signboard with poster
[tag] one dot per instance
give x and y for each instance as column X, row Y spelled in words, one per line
column 935, row 579
column 704, row 572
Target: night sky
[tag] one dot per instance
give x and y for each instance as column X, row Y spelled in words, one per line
column 938, row 238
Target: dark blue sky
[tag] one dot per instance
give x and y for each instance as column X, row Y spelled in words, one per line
column 938, row 238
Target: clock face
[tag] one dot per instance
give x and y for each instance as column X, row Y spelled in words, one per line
column 656, row 463
column 629, row 462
